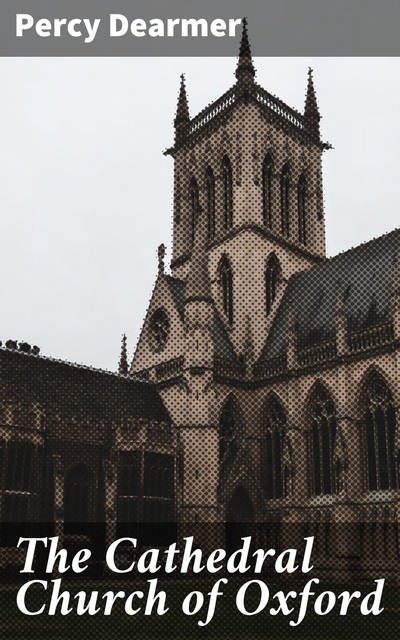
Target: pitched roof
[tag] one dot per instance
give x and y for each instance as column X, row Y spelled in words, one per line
column 75, row 390
column 365, row 277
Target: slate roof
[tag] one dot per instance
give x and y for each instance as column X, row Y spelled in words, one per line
column 223, row 347
column 365, row 274
column 75, row 390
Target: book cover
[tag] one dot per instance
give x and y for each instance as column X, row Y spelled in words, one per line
column 200, row 329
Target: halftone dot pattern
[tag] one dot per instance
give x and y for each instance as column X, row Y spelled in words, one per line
column 263, row 397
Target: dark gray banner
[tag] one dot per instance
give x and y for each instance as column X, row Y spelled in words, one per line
column 207, row 28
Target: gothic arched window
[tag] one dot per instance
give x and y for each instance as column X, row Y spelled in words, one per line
column 226, row 279
column 227, row 432
column 301, row 208
column 380, row 429
column 19, row 468
column 275, row 481
column 159, row 329
column 323, row 435
column 158, row 475
column 271, row 282
column 19, row 481
column 210, row 188
column 194, row 205
column 227, row 192
column 285, row 178
column 267, row 190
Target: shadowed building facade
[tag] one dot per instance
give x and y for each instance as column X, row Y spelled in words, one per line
column 265, row 384
column 279, row 366
column 83, row 454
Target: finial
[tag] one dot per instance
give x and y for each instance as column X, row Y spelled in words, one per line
column 161, row 259
column 182, row 117
column 245, row 69
column 123, row 361
column 311, row 111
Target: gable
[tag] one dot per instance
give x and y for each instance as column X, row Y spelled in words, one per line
column 168, row 299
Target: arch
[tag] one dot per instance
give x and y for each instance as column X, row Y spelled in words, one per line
column 78, row 485
column 18, row 461
column 379, row 433
column 322, row 440
column 227, row 182
column 267, row 169
column 285, row 199
column 272, row 273
column 194, row 205
column 19, row 466
column 159, row 325
column 370, row 370
column 158, row 475
column 210, row 190
column 301, row 208
column 275, row 477
column 226, row 281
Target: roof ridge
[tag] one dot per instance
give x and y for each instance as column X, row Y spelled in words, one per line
column 341, row 254
column 68, row 363
column 363, row 244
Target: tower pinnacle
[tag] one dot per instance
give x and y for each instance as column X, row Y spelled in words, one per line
column 123, row 361
column 161, row 259
column 245, row 69
column 182, row 117
column 311, row 111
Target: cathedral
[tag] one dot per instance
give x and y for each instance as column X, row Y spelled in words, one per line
column 265, row 387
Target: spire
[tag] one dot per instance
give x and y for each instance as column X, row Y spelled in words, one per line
column 182, row 117
column 311, row 111
column 123, row 361
column 198, row 282
column 245, row 71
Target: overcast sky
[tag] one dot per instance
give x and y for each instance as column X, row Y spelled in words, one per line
column 85, row 193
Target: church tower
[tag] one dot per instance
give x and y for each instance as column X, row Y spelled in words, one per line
column 252, row 166
column 248, row 215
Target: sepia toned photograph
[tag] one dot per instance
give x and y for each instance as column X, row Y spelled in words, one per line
column 200, row 330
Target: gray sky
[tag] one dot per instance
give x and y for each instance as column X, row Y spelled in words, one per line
column 85, row 193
